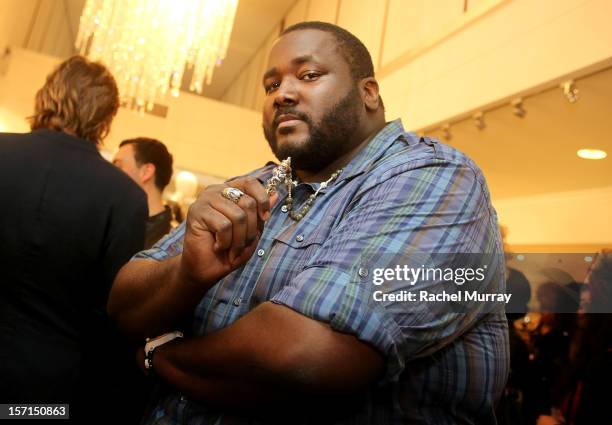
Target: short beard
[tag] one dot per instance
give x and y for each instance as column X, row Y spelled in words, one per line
column 328, row 140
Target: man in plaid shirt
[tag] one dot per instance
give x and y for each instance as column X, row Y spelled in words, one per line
column 277, row 290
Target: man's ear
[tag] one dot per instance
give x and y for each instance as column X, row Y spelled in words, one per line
column 147, row 172
column 370, row 94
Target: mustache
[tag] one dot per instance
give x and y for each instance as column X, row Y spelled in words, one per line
column 289, row 111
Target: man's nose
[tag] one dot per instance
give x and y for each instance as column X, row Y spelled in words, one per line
column 286, row 93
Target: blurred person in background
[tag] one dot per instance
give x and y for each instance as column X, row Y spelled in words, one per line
column 148, row 162
column 74, row 221
column 584, row 397
column 517, row 284
column 511, row 409
column 559, row 301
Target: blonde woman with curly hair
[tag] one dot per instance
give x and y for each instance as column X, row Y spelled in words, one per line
column 69, row 221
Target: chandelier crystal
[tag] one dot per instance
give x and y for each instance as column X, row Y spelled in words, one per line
column 148, row 44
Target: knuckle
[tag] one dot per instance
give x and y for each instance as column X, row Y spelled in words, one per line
column 225, row 225
column 249, row 203
column 192, row 212
column 240, row 217
column 252, row 183
column 212, row 189
column 265, row 201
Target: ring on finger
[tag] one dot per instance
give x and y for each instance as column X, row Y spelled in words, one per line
column 232, row 194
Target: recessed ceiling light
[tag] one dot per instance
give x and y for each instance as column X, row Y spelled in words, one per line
column 592, row 154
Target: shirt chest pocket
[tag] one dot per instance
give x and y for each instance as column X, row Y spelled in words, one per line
column 298, row 245
column 291, row 251
column 295, row 247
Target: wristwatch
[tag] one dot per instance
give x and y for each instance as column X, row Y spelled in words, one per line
column 152, row 343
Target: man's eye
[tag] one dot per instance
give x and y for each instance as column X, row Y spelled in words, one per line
column 271, row 87
column 309, row 76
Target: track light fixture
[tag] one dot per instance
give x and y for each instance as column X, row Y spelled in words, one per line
column 446, row 131
column 570, row 91
column 479, row 120
column 517, row 107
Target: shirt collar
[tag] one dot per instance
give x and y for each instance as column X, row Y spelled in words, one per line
column 373, row 151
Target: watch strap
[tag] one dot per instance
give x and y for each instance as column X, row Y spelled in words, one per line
column 153, row 343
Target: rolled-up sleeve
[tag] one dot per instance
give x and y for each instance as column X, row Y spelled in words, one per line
column 169, row 246
column 429, row 207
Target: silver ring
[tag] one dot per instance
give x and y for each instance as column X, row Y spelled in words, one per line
column 232, row 194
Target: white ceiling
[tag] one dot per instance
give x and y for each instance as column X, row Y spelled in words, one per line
column 536, row 154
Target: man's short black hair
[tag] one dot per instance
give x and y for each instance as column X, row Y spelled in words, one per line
column 353, row 50
column 152, row 151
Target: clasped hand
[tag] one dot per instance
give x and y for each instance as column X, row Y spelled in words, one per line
column 220, row 234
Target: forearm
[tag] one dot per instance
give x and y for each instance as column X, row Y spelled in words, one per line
column 251, row 389
column 150, row 297
column 268, row 400
column 273, row 354
column 223, row 390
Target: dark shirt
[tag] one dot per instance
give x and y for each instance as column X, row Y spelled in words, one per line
column 69, row 221
column 518, row 285
column 158, row 226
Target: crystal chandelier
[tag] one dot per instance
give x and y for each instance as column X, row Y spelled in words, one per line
column 148, row 44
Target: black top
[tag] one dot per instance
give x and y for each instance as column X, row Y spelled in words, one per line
column 69, row 221
column 158, row 226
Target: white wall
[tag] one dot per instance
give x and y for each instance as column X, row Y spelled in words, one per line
column 565, row 218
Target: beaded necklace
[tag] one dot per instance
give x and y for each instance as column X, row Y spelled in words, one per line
column 283, row 173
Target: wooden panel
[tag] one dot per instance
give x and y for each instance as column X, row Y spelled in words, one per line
column 260, row 94
column 50, row 30
column 439, row 15
column 40, row 27
column 322, row 10
column 56, row 24
column 15, row 17
column 253, row 79
column 403, row 31
column 364, row 18
column 412, row 23
column 235, row 94
column 297, row 13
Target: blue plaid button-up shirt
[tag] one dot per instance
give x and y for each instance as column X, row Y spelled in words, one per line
column 400, row 194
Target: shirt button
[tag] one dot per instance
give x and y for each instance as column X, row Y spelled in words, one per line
column 237, row 301
column 260, row 253
column 299, row 238
column 284, row 208
column 363, row 272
